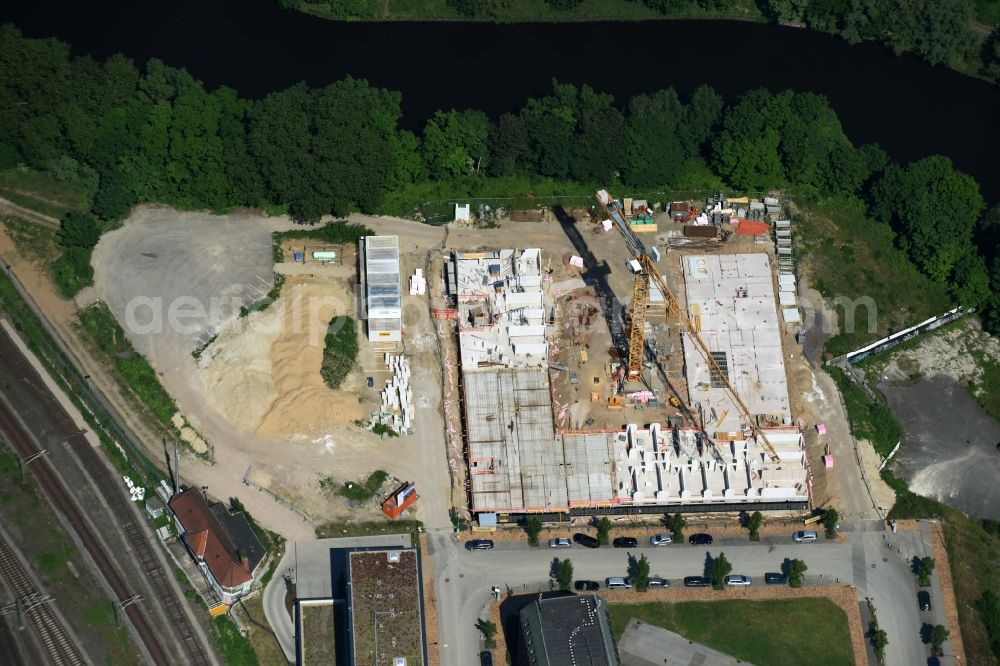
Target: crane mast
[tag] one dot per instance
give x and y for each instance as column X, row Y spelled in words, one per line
column 648, row 275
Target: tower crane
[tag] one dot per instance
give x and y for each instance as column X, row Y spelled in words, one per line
column 648, row 274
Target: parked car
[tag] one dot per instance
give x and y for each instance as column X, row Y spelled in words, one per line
column 586, row 540
column 660, row 539
column 480, row 544
column 618, row 583
column 561, row 542
column 805, row 536
column 696, row 581
column 700, row 539
column 924, row 599
column 371, row 382
column 625, row 542
column 485, row 658
column 738, row 581
column 586, row 585
column 775, row 579
column 656, row 581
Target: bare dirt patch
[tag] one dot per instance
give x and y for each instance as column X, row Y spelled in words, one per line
column 954, row 352
column 262, row 372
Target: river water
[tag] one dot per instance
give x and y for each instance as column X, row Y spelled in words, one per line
column 907, row 106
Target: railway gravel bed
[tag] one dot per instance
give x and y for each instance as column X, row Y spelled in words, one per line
column 127, row 522
column 59, row 647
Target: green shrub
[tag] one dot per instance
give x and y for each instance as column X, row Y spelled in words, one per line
column 340, row 352
column 134, row 369
column 72, row 271
column 362, row 492
column 872, row 421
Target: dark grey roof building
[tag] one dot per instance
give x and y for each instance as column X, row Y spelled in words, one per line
column 567, row 631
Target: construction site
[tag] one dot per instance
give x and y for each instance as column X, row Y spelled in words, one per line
column 653, row 384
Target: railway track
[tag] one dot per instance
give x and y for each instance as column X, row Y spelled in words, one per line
column 55, row 640
column 111, row 489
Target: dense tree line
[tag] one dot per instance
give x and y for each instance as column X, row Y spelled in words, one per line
column 940, row 31
column 495, row 8
column 158, row 135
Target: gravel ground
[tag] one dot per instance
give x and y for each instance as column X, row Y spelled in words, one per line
column 949, row 444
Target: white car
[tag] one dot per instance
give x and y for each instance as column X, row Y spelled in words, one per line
column 805, row 536
column 738, row 581
column 660, row 539
column 561, row 542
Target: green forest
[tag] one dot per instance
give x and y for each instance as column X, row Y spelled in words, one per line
column 125, row 136
column 952, row 32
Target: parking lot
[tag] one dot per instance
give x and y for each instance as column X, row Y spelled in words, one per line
column 876, row 563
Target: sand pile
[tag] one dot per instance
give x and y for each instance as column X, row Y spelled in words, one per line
column 304, row 405
column 262, row 372
column 236, row 368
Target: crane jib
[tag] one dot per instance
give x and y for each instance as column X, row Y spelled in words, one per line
column 640, row 295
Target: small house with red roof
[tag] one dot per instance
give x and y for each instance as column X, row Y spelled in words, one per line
column 222, row 543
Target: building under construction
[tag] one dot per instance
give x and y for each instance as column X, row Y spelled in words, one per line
column 521, row 462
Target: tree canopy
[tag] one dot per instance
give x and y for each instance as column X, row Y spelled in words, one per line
column 157, row 134
column 933, row 209
column 789, row 138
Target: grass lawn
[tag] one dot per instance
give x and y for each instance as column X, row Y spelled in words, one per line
column 33, row 241
column 362, row 492
column 435, row 200
column 780, row 631
column 263, row 642
column 526, row 10
column 844, row 253
column 42, row 193
column 987, row 390
column 234, row 648
column 375, row 527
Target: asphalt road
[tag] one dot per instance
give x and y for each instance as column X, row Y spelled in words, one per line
column 463, row 579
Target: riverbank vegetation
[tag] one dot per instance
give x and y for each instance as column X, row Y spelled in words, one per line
column 956, row 33
column 510, row 11
column 125, row 136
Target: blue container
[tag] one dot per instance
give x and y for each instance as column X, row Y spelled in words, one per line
column 298, row 257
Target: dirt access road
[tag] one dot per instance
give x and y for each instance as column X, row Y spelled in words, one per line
column 169, row 257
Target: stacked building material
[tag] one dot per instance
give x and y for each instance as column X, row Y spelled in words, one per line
column 397, row 396
column 418, row 283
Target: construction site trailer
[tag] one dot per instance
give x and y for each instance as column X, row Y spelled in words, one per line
column 383, row 297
